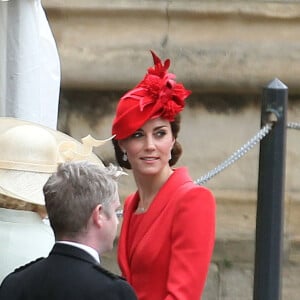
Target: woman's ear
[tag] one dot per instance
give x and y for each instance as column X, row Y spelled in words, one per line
column 121, row 146
column 174, row 140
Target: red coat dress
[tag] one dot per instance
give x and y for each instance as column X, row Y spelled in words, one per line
column 165, row 252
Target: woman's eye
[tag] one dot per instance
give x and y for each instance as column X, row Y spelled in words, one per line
column 161, row 133
column 137, row 135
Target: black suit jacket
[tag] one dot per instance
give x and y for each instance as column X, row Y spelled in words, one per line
column 67, row 273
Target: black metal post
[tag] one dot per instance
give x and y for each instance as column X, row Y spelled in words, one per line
column 270, row 202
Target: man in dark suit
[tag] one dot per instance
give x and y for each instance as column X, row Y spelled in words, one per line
column 82, row 203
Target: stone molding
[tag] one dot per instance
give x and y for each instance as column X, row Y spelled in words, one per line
column 214, row 46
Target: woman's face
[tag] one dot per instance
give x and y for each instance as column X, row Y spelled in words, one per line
column 149, row 148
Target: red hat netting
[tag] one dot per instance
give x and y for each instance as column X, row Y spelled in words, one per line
column 157, row 95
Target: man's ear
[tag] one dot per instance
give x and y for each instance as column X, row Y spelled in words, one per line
column 97, row 215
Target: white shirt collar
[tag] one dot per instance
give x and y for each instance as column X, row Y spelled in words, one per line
column 86, row 248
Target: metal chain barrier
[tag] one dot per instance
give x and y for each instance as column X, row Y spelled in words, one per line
column 293, row 125
column 242, row 151
column 236, row 155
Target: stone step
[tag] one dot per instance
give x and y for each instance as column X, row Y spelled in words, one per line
column 235, row 282
column 236, row 223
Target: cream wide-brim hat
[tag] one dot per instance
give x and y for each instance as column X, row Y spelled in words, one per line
column 30, row 153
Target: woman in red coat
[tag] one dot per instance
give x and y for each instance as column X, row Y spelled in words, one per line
column 168, row 231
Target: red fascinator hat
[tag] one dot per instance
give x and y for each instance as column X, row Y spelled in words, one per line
column 157, row 95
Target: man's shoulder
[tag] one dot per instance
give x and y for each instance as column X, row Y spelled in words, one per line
column 121, row 287
column 107, row 273
column 28, row 265
column 18, row 274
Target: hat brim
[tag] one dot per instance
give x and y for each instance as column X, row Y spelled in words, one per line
column 25, row 186
column 28, row 185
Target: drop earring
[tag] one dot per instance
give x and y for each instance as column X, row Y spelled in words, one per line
column 125, row 158
column 170, row 157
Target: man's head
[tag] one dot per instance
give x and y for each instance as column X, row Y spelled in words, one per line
column 81, row 200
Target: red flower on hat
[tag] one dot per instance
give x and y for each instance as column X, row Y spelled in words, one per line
column 157, row 95
column 159, row 89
